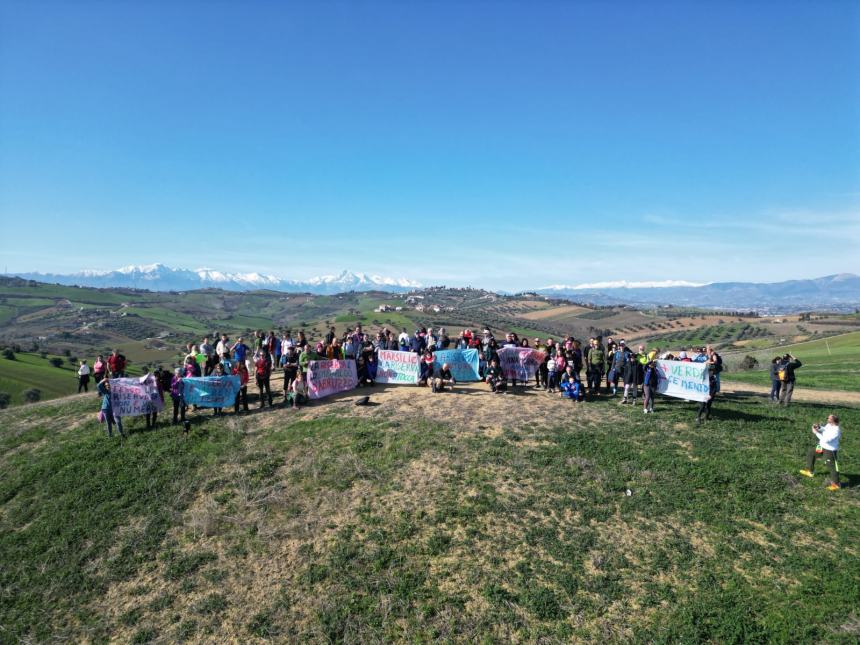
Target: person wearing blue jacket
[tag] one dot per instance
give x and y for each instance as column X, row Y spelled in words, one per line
column 107, row 409
column 650, row 380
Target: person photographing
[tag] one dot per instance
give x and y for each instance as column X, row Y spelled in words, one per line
column 828, row 441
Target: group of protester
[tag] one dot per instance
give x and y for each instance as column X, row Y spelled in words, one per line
column 610, row 368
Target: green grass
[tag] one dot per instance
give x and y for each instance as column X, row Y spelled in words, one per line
column 32, row 371
column 831, row 363
column 398, row 528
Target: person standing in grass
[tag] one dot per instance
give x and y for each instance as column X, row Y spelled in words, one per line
column 828, row 444
column 263, row 372
column 790, row 363
column 650, row 380
column 241, row 370
column 83, row 377
column 116, row 364
column 775, row 382
column 107, row 410
column 177, row 396
column 705, row 406
column 99, row 369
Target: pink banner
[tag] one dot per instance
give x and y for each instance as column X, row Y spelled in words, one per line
column 330, row 377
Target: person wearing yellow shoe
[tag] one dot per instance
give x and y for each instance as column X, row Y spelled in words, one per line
column 828, row 440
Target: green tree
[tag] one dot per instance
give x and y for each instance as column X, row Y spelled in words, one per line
column 56, row 361
column 32, row 395
column 5, row 399
column 9, row 354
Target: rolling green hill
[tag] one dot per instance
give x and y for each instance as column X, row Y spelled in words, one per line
column 460, row 517
column 829, row 363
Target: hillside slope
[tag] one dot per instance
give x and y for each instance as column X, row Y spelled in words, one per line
column 461, row 516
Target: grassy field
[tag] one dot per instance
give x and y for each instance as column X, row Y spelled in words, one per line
column 830, row 363
column 459, row 517
column 32, row 371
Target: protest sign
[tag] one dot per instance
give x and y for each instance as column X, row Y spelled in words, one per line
column 211, row 391
column 330, row 377
column 520, row 363
column 684, row 380
column 397, row 367
column 131, row 397
column 463, row 363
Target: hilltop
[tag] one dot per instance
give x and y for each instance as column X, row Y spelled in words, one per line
column 460, row 517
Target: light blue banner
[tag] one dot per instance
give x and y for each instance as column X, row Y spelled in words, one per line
column 211, row 391
column 463, row 363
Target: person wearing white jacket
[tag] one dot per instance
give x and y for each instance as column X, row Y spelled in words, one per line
column 828, row 445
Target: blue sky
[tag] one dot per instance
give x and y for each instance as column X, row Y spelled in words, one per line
column 499, row 144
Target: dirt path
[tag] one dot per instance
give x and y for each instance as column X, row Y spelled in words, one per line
column 800, row 394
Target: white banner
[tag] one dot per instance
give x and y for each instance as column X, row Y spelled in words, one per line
column 684, row 380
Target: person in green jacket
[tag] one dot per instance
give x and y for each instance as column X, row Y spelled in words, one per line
column 596, row 366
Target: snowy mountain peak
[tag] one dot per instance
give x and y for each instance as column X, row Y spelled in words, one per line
column 624, row 284
column 160, row 277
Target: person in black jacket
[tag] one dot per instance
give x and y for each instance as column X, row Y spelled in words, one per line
column 790, row 364
column 632, row 377
column 775, row 383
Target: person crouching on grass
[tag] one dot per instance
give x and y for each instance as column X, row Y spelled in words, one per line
column 828, row 444
column 443, row 377
column 298, row 394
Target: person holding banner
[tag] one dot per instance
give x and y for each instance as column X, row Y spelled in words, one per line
column 106, row 412
column 705, row 406
column 650, row 380
column 154, row 379
column 176, row 396
column 240, row 369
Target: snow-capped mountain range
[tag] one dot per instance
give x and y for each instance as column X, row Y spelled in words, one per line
column 159, row 277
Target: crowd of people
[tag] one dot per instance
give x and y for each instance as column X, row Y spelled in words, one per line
column 570, row 369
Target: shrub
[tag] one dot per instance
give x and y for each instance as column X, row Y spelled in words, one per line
column 749, row 363
column 5, row 399
column 43, row 354
column 9, row 354
column 32, row 395
column 67, row 352
column 56, row 361
column 72, row 360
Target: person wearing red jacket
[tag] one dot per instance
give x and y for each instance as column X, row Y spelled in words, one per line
column 263, row 370
column 116, row 364
column 241, row 370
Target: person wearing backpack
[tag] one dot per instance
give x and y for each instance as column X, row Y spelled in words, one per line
column 775, row 382
column 790, row 364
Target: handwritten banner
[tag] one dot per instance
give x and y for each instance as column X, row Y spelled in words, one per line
column 211, row 391
column 520, row 363
column 330, row 377
column 463, row 363
column 131, row 397
column 684, row 380
column 397, row 367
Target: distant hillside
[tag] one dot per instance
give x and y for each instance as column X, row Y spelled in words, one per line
column 839, row 292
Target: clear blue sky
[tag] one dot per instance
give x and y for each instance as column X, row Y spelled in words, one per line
column 505, row 145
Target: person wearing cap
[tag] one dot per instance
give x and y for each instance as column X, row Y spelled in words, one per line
column 425, row 369
column 828, row 446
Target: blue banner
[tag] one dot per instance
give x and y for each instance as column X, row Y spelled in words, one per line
column 211, row 391
column 463, row 363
